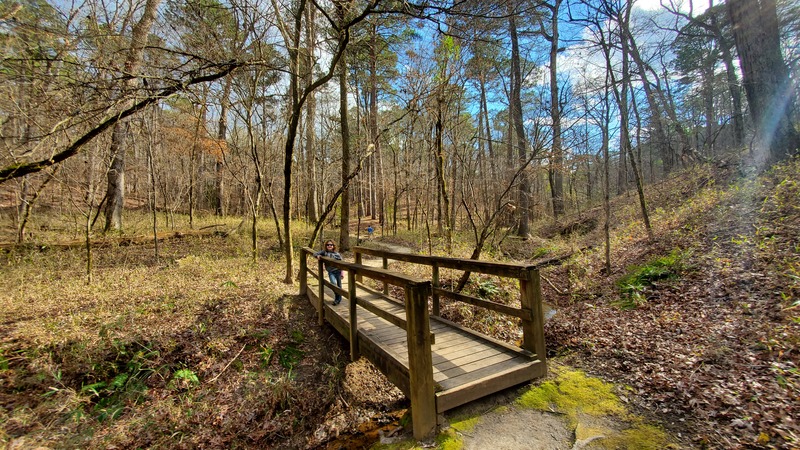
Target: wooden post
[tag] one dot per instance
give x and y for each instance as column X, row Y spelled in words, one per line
column 303, row 272
column 420, row 362
column 321, row 297
column 385, row 284
column 351, row 294
column 358, row 261
column 533, row 330
column 435, row 282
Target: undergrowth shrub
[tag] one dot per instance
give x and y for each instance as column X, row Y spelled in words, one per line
column 122, row 381
column 634, row 285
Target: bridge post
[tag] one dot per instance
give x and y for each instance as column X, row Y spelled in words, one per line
column 386, row 267
column 351, row 294
column 435, row 283
column 533, row 330
column 321, row 297
column 303, row 275
column 420, row 362
column 357, row 255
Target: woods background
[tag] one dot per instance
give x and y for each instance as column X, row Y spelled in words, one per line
column 468, row 116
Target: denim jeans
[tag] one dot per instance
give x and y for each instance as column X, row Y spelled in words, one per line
column 336, row 278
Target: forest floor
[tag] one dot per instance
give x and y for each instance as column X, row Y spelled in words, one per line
column 696, row 330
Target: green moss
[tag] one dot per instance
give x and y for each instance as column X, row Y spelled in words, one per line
column 540, row 397
column 581, row 397
column 572, row 392
column 639, row 437
column 449, row 440
column 583, row 432
column 465, row 425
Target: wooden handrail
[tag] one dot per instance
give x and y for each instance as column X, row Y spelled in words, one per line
column 393, row 278
column 518, row 271
column 524, row 314
column 521, row 272
column 530, row 313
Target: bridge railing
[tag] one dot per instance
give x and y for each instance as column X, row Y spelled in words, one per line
column 416, row 324
column 531, row 312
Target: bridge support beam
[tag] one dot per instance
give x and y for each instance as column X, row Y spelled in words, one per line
column 420, row 362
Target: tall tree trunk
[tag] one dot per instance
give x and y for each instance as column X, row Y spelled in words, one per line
column 556, row 166
column 115, row 192
column 344, row 228
column 493, row 173
column 606, row 123
column 293, row 120
column 222, row 134
column 443, row 201
column 311, row 109
column 378, row 176
column 624, row 115
column 733, row 83
column 765, row 77
column 617, row 89
column 193, row 161
column 523, row 212
column 707, row 83
column 151, row 184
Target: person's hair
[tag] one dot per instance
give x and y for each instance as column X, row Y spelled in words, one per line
column 329, row 241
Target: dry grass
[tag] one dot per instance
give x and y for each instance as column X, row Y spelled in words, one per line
column 199, row 347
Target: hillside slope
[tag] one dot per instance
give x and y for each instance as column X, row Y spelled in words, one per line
column 702, row 322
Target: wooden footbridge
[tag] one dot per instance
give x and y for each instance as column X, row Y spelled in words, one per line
column 436, row 363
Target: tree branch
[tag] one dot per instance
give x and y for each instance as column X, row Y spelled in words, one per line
column 19, row 170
